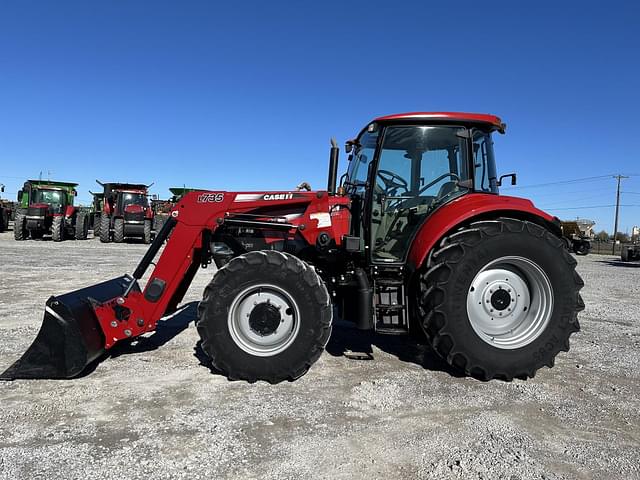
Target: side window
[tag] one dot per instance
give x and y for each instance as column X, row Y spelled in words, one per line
column 396, row 167
column 484, row 162
column 362, row 158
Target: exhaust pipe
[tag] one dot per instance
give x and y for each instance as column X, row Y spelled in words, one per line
column 333, row 167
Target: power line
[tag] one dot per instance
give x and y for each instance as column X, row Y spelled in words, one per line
column 572, row 200
column 593, row 206
column 562, row 182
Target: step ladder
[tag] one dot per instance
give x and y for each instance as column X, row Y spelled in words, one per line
column 390, row 302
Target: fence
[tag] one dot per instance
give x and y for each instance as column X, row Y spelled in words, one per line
column 605, row 248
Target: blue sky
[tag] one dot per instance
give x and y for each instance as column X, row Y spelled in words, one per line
column 246, row 95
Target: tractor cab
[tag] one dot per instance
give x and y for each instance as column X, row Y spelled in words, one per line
column 55, row 198
column 404, row 167
column 125, row 199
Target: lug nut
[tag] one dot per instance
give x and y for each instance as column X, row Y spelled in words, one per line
column 114, row 324
column 120, row 300
column 127, row 332
column 140, row 322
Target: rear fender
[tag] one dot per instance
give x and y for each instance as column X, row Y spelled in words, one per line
column 469, row 208
column 69, row 211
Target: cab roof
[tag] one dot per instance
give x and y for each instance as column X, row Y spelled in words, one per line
column 52, row 183
column 456, row 117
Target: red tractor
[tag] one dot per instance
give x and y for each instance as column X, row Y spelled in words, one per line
column 125, row 212
column 415, row 238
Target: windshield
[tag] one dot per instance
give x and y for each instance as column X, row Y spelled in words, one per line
column 55, row 198
column 134, row 199
column 358, row 169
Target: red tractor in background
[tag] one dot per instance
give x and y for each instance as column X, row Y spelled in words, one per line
column 125, row 212
column 416, row 238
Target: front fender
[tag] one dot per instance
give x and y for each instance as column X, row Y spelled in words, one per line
column 69, row 211
column 464, row 210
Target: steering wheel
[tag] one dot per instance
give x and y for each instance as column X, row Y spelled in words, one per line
column 392, row 181
column 440, row 178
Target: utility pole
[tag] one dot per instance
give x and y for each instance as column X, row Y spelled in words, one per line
column 615, row 223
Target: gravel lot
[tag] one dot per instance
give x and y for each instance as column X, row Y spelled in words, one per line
column 155, row 410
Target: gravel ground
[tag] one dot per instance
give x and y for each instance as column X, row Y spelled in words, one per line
column 155, row 410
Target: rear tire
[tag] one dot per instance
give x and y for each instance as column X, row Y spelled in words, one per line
column 583, row 248
column 276, row 339
column 118, row 230
column 146, row 236
column 19, row 232
column 96, row 225
column 105, row 228
column 470, row 266
column 57, row 229
column 626, row 254
column 82, row 226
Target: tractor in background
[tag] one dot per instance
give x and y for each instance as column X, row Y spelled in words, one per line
column 162, row 208
column 577, row 235
column 45, row 207
column 97, row 205
column 125, row 213
column 6, row 211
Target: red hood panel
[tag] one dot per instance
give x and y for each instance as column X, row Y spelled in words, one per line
column 133, row 209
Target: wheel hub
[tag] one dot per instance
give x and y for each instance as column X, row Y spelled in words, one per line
column 509, row 302
column 264, row 319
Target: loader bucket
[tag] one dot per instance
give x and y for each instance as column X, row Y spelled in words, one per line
column 70, row 337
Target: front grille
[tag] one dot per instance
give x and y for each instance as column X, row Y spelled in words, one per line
column 133, row 216
column 37, row 211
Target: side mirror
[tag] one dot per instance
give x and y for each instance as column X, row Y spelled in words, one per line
column 75, row 193
column 19, row 195
column 513, row 179
column 1, row 188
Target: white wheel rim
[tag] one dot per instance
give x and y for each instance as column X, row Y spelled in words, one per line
column 510, row 302
column 259, row 333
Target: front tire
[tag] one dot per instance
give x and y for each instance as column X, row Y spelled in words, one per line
column 118, row 230
column 146, row 236
column 19, row 230
column 82, row 226
column 499, row 299
column 265, row 315
column 105, row 228
column 57, row 229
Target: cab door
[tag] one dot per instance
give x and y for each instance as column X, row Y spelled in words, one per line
column 419, row 168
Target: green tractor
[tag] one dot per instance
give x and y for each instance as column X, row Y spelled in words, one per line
column 45, row 207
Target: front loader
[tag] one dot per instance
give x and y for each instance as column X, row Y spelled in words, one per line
column 416, row 238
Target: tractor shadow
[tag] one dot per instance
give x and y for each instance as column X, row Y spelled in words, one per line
column 165, row 331
column 620, row 263
column 348, row 341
